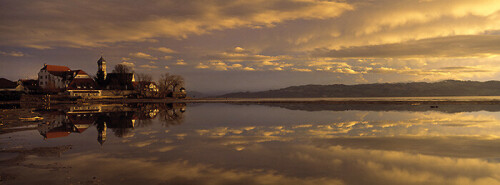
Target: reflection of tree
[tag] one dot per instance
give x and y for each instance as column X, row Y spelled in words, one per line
column 119, row 122
column 144, row 114
column 121, row 131
column 143, row 123
column 172, row 114
column 146, row 111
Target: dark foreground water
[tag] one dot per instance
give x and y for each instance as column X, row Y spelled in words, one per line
column 257, row 144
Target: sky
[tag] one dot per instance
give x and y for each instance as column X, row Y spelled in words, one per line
column 221, row 46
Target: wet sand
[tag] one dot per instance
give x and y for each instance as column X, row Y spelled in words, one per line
column 10, row 120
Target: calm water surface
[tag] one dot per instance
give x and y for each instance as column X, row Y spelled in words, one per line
column 257, row 144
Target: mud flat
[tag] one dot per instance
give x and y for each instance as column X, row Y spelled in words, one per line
column 11, row 120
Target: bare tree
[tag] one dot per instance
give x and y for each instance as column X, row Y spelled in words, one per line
column 143, row 82
column 164, row 84
column 120, row 68
column 177, row 82
column 168, row 84
column 177, row 90
column 142, row 77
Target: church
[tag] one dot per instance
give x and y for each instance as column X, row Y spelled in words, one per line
column 113, row 81
column 61, row 79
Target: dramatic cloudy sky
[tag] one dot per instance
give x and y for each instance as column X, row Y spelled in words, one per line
column 242, row 45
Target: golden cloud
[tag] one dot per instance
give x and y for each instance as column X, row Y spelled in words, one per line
column 112, row 22
column 453, row 46
column 12, row 53
column 143, row 56
column 180, row 62
column 147, row 66
column 165, row 50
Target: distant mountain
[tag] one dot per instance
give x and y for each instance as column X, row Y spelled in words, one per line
column 412, row 89
column 196, row 94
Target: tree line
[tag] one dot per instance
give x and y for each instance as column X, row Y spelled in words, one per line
column 168, row 85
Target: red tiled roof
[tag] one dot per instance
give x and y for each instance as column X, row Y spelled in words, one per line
column 80, row 72
column 54, row 68
column 57, row 134
column 61, row 71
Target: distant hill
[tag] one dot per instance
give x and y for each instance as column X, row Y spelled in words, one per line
column 412, row 89
column 196, row 94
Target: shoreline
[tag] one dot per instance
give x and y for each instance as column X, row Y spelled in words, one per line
column 343, row 100
column 12, row 111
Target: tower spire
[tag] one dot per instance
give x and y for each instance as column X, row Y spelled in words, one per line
column 101, row 129
column 101, row 71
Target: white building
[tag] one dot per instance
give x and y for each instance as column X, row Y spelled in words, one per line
column 56, row 77
column 75, row 82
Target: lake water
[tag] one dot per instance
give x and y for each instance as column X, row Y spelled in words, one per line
column 256, row 144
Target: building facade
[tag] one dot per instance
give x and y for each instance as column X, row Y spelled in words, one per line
column 61, row 78
column 82, row 85
column 54, row 77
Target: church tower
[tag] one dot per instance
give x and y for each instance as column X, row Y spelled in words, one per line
column 101, row 70
column 101, row 136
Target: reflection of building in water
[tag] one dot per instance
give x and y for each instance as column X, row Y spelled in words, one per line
column 120, row 119
column 119, row 122
column 85, row 109
column 101, row 133
column 65, row 125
